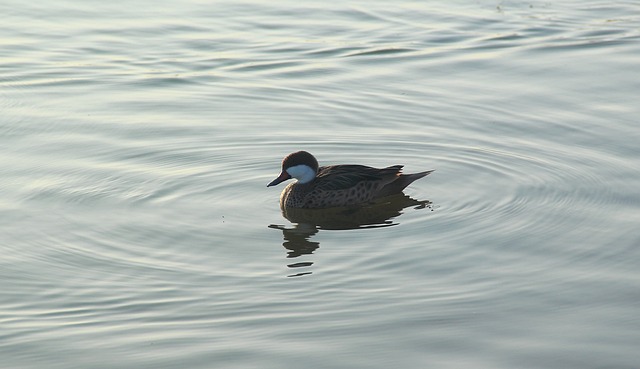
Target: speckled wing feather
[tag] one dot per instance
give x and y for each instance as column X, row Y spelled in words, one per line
column 342, row 177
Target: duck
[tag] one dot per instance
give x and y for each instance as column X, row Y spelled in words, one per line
column 319, row 187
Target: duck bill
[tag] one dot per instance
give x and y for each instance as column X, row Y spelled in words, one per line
column 281, row 178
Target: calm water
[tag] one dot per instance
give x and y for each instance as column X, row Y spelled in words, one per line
column 137, row 140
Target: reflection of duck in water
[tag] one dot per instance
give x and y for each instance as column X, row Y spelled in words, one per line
column 308, row 222
column 337, row 185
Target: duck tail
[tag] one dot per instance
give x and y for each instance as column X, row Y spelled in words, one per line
column 401, row 183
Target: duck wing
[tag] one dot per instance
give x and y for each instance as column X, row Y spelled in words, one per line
column 341, row 177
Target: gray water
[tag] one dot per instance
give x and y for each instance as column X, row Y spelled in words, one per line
column 137, row 140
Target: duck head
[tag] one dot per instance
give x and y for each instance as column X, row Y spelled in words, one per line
column 300, row 165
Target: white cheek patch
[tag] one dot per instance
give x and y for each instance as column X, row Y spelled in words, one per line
column 303, row 173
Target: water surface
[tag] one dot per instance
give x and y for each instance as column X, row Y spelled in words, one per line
column 137, row 141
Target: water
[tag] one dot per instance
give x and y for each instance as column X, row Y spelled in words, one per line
column 137, row 140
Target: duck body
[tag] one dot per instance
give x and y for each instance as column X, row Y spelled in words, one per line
column 337, row 185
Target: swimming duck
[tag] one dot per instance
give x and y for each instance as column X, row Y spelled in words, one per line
column 337, row 185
